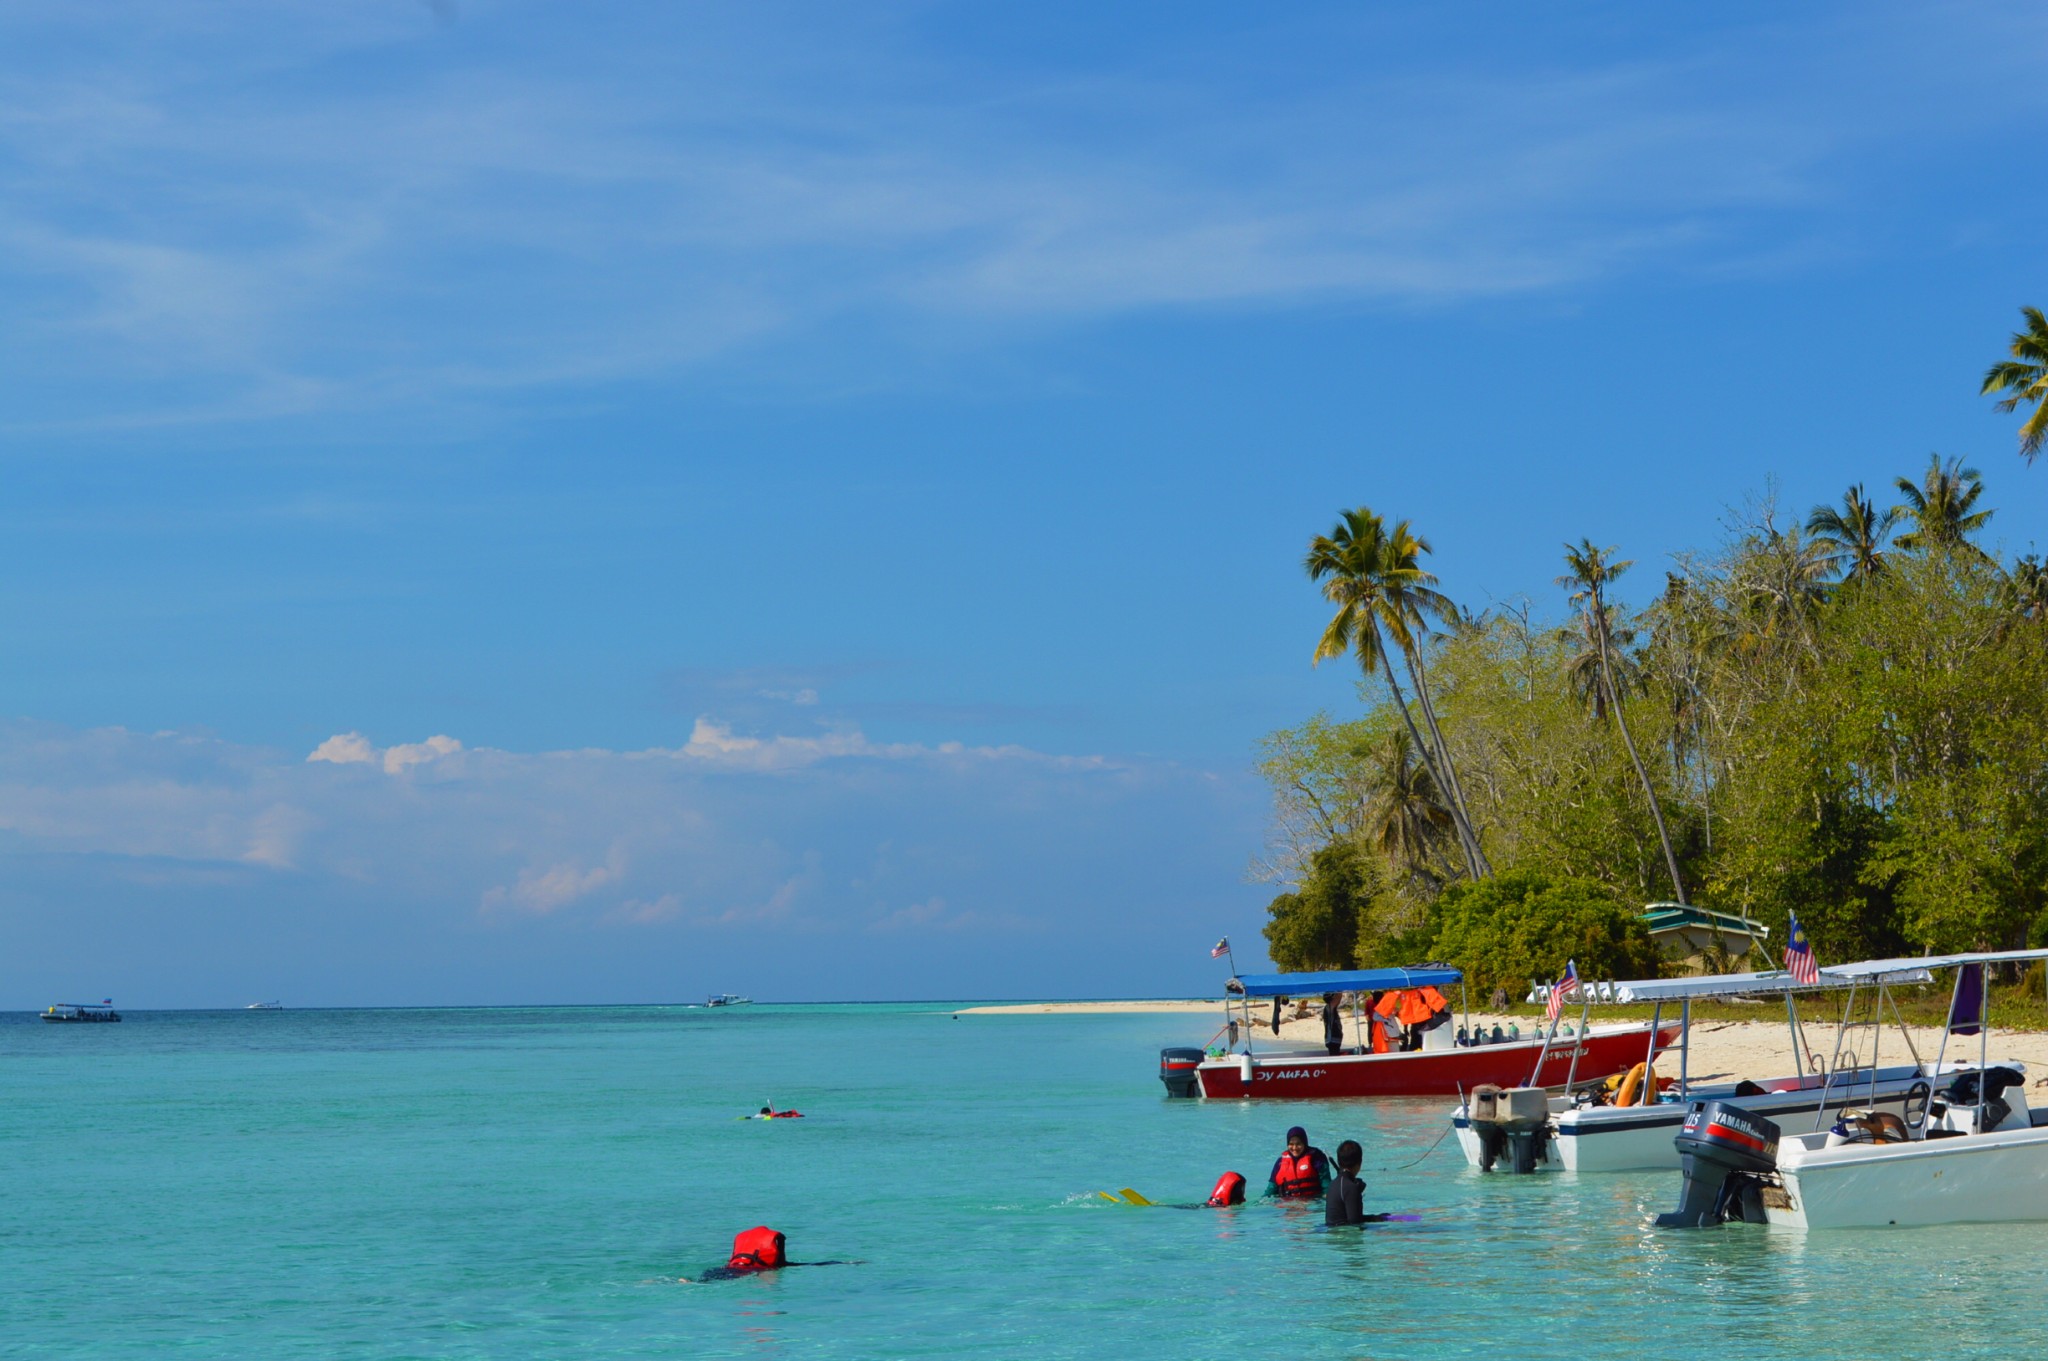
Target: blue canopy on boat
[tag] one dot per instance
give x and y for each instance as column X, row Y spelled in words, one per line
column 1341, row 980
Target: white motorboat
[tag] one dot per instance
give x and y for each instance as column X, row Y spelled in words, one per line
column 1585, row 1135
column 727, row 999
column 1970, row 1152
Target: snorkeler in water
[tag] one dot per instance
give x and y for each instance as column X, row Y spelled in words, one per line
column 756, row 1250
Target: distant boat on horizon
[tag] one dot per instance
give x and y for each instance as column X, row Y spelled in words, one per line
column 727, row 999
column 264, row 1006
column 82, row 1012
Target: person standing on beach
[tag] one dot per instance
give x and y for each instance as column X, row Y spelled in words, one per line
column 1345, row 1203
column 1301, row 1172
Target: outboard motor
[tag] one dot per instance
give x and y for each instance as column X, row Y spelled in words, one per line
column 1510, row 1121
column 1725, row 1150
column 1177, row 1071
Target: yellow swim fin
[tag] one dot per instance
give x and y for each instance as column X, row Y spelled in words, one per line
column 1108, row 1197
column 1134, row 1198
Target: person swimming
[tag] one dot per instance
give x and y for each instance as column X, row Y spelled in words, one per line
column 1301, row 1172
column 754, row 1251
column 770, row 1113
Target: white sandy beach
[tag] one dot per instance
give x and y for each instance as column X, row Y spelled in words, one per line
column 1734, row 1049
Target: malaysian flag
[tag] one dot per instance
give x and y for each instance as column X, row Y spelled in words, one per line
column 1563, row 988
column 1799, row 954
column 1222, row 948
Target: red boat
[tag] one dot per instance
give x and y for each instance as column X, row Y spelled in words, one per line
column 1443, row 1063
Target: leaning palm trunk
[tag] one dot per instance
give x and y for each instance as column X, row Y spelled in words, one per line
column 1467, row 833
column 1621, row 722
column 1470, row 847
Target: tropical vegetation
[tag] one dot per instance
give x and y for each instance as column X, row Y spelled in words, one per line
column 1842, row 714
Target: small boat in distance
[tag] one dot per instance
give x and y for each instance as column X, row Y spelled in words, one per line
column 264, row 1006
column 727, row 999
column 82, row 1012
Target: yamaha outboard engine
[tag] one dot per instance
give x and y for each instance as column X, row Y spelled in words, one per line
column 1177, row 1071
column 1513, row 1122
column 1725, row 1150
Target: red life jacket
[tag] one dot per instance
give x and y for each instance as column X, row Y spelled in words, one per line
column 786, row 1115
column 1229, row 1189
column 1294, row 1176
column 758, row 1249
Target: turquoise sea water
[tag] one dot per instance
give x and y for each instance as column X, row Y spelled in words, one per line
column 527, row 1183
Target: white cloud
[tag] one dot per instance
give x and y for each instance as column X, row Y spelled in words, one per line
column 541, row 891
column 934, row 915
column 343, row 749
column 352, row 748
column 434, row 748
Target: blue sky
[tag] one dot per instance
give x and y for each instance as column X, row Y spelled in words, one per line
column 834, row 478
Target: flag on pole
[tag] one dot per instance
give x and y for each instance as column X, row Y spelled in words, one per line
column 1222, row 948
column 1563, row 988
column 1799, row 954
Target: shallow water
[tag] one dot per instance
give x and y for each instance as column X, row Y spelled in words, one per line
column 527, row 1183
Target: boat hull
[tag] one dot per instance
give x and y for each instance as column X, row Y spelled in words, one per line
column 1995, row 1178
column 1640, row 1138
column 1427, row 1072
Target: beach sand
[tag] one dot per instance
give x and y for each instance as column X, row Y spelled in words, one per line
column 1720, row 1049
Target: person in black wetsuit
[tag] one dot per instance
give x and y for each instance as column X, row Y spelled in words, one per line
column 1301, row 1172
column 1345, row 1204
column 1333, row 1024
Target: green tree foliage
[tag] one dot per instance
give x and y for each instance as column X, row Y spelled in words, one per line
column 2024, row 379
column 1520, row 926
column 1832, row 725
column 1318, row 925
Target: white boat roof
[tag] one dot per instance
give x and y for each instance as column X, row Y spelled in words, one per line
column 1732, row 984
column 1889, row 969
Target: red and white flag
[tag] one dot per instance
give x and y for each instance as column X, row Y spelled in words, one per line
column 1222, row 948
column 1563, row 988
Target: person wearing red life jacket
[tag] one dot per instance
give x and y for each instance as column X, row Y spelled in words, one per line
column 754, row 1251
column 1229, row 1191
column 1302, row 1172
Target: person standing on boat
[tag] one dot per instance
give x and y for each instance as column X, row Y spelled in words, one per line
column 1301, row 1173
column 1333, row 1023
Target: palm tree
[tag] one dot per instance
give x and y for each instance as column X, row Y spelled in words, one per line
column 1373, row 579
column 1405, row 817
column 1412, row 595
column 2025, row 377
column 1940, row 507
column 1592, row 572
column 1586, row 671
column 1854, row 534
column 2026, row 586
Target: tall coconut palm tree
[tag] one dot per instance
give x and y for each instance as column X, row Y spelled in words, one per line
column 1586, row 669
column 1854, row 535
column 1405, row 816
column 1411, row 594
column 1374, row 581
column 1592, row 572
column 2025, row 377
column 1940, row 506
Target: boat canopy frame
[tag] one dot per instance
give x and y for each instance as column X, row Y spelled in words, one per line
column 1241, row 988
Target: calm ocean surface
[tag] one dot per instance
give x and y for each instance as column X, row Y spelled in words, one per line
column 518, row 1183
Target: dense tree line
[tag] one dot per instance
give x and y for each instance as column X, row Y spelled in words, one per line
column 1842, row 714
